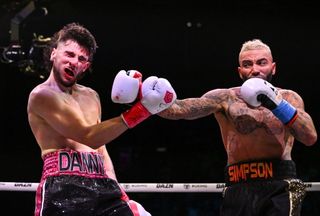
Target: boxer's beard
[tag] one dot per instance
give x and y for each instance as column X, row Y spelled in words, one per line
column 81, row 75
column 268, row 77
column 59, row 79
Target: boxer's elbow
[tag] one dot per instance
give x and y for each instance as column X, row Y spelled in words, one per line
column 311, row 138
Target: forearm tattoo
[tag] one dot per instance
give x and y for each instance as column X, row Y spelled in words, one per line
column 192, row 108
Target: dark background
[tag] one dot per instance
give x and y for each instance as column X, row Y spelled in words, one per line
column 194, row 45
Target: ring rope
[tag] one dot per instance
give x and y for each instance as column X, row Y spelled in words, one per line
column 149, row 187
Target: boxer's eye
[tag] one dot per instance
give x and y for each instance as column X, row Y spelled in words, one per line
column 247, row 64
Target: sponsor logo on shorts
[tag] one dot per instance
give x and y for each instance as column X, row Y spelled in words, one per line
column 249, row 171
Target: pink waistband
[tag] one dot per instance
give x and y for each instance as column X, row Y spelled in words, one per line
column 69, row 162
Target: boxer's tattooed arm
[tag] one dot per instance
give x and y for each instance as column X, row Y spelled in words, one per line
column 303, row 128
column 190, row 108
column 193, row 108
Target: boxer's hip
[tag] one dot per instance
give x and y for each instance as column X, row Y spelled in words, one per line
column 69, row 162
column 260, row 170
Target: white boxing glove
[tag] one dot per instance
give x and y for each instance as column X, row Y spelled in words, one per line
column 256, row 92
column 157, row 95
column 253, row 87
column 126, row 86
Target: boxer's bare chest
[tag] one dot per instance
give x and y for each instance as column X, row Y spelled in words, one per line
column 247, row 119
column 84, row 103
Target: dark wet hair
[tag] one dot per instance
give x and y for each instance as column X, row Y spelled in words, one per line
column 75, row 32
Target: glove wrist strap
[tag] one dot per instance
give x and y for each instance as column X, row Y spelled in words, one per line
column 285, row 112
column 135, row 115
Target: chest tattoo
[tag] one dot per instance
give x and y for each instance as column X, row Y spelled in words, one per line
column 246, row 119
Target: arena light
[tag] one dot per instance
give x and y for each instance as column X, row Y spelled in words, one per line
column 28, row 60
column 18, row 19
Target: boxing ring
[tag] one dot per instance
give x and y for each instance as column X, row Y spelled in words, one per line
column 149, row 187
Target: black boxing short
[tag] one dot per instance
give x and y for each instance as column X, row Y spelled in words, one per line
column 265, row 187
column 75, row 183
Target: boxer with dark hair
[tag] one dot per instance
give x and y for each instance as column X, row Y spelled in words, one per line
column 65, row 117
